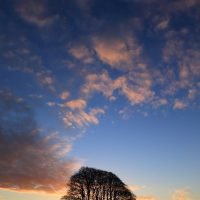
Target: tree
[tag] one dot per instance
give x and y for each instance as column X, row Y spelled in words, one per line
column 94, row 184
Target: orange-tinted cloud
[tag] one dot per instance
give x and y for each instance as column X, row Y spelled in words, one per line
column 81, row 118
column 135, row 187
column 76, row 104
column 81, row 53
column 119, row 53
column 181, row 194
column 136, row 92
column 30, row 161
column 98, row 83
column 64, row 95
column 163, row 24
column 146, row 198
column 178, row 104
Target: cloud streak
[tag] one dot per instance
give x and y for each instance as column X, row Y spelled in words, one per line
column 146, row 198
column 181, row 194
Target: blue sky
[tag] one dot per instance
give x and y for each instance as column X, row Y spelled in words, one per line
column 108, row 84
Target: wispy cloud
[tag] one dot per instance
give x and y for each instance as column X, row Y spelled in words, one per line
column 81, row 118
column 35, row 12
column 135, row 187
column 64, row 95
column 181, row 194
column 163, row 24
column 146, row 198
column 81, row 53
column 178, row 104
column 45, row 79
column 76, row 104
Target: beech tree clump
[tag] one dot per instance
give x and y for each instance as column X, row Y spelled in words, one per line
column 94, row 184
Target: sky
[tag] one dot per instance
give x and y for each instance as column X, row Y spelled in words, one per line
column 110, row 84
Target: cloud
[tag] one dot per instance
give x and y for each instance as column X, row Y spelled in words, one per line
column 76, row 104
column 163, row 24
column 50, row 103
column 184, row 54
column 46, row 79
column 119, row 52
column 137, row 90
column 181, row 194
column 181, row 79
column 81, row 53
column 182, row 5
column 135, row 187
column 136, row 94
column 17, row 53
column 35, row 12
column 98, row 83
column 192, row 93
column 64, row 95
column 125, row 113
column 30, row 160
column 178, row 104
column 159, row 102
column 145, row 198
column 81, row 118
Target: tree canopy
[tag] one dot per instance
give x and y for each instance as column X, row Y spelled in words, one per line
column 94, row 184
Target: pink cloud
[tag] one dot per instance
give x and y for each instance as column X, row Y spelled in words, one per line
column 76, row 104
column 119, row 53
column 64, row 95
column 82, row 118
column 136, row 94
column 98, row 83
column 163, row 24
column 82, row 53
column 178, row 104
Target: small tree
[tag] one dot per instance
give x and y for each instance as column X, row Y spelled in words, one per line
column 93, row 184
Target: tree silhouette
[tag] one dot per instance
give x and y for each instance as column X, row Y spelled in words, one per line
column 94, row 184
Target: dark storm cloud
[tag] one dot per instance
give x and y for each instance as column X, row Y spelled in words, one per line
column 29, row 161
